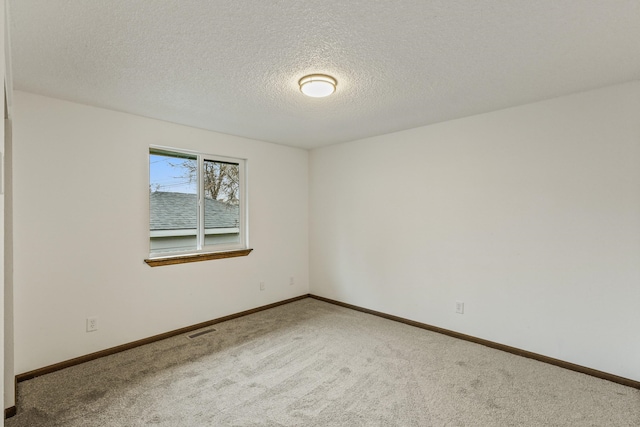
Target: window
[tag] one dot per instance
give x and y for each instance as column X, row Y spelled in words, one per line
column 196, row 203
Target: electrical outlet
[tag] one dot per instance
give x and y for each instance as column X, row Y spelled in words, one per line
column 459, row 307
column 92, row 324
column 291, row 281
column 262, row 286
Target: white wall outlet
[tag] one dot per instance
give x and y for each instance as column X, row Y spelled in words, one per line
column 291, row 281
column 92, row 324
column 459, row 307
column 262, row 286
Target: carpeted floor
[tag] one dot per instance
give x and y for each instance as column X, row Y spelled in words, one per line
column 311, row 363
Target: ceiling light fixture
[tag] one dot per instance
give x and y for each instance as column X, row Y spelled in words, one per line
column 317, row 85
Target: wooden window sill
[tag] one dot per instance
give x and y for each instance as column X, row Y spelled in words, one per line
column 183, row 259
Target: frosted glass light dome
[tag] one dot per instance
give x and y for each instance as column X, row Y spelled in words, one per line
column 317, row 85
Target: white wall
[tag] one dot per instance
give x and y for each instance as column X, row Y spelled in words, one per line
column 530, row 216
column 6, row 377
column 81, row 231
column 9, row 376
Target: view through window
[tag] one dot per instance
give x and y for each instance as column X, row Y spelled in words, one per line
column 196, row 202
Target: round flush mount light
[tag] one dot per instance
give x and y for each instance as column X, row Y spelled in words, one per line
column 317, row 85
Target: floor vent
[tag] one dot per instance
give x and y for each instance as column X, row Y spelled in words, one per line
column 198, row 334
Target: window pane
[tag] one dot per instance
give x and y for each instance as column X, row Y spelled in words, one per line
column 173, row 201
column 221, row 202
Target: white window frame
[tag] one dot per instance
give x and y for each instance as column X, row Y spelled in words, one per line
column 243, row 241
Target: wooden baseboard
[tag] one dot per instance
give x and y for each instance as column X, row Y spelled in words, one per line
column 102, row 353
column 513, row 350
column 10, row 412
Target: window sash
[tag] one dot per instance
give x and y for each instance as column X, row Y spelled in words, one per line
column 201, row 231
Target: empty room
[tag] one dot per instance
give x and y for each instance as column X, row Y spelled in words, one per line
column 321, row 213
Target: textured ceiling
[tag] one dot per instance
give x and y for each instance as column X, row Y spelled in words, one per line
column 232, row 66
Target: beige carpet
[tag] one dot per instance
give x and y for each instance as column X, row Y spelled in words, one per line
column 310, row 363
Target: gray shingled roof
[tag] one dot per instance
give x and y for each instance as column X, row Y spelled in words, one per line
column 177, row 211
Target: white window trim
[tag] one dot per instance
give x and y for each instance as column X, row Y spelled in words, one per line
column 243, row 242
column 190, row 232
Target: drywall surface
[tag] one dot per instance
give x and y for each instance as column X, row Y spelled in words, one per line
column 81, row 220
column 6, row 358
column 529, row 215
column 9, row 377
